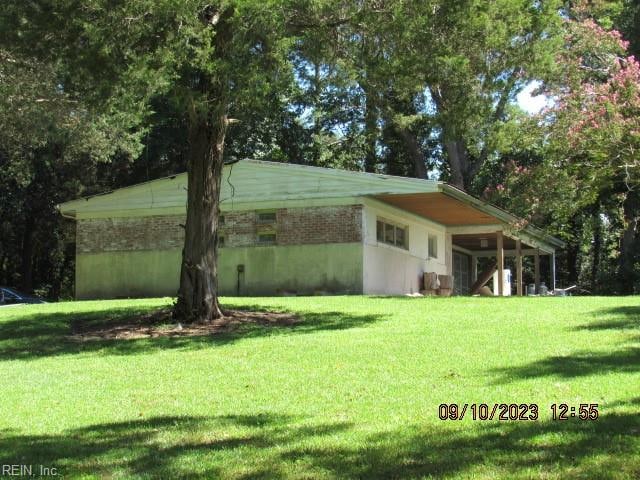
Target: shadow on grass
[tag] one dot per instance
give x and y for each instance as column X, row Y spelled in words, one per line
column 624, row 318
column 575, row 365
column 585, row 362
column 50, row 334
column 280, row 446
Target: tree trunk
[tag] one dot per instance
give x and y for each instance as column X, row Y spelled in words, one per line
column 370, row 130
column 597, row 249
column 627, row 273
column 414, row 151
column 458, row 160
column 26, row 281
column 198, row 295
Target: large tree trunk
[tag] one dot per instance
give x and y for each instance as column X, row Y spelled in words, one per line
column 198, row 295
column 414, row 152
column 597, row 249
column 27, row 254
column 458, row 159
column 370, row 129
column 627, row 273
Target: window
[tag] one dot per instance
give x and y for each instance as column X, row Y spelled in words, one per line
column 266, row 239
column 266, row 217
column 391, row 234
column 433, row 246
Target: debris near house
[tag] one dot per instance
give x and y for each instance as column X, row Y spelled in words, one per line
column 445, row 288
column 483, row 278
column 437, row 285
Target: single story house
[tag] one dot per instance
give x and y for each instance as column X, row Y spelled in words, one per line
column 289, row 228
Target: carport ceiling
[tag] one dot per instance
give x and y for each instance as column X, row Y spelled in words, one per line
column 440, row 208
column 474, row 242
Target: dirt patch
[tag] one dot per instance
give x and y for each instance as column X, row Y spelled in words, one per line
column 161, row 324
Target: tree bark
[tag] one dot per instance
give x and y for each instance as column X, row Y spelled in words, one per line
column 627, row 274
column 597, row 249
column 26, row 281
column 414, row 151
column 457, row 155
column 198, row 294
column 370, row 130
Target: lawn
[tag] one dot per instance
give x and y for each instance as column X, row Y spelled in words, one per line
column 351, row 391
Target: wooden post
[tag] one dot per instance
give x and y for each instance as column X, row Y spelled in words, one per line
column 553, row 270
column 474, row 268
column 500, row 262
column 519, row 267
column 536, row 270
column 448, row 253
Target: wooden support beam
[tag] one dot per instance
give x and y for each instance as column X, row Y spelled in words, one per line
column 553, row 271
column 519, row 267
column 474, row 268
column 536, row 270
column 500, row 262
column 507, row 253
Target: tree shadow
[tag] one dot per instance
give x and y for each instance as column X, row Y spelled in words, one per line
column 283, row 446
column 33, row 336
column 585, row 362
column 575, row 365
column 627, row 317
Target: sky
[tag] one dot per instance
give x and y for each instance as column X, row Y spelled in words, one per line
column 529, row 103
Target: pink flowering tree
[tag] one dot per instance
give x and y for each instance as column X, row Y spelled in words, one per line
column 588, row 142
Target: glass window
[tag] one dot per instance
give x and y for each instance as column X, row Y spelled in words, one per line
column 400, row 237
column 380, row 231
column 433, row 246
column 391, row 234
column 266, row 217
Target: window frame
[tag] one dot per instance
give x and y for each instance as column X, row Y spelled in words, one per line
column 430, row 237
column 269, row 221
column 395, row 226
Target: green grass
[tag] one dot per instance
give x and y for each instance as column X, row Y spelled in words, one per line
column 350, row 392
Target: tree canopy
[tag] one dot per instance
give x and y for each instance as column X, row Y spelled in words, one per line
column 99, row 94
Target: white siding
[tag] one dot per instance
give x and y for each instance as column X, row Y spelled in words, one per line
column 393, row 270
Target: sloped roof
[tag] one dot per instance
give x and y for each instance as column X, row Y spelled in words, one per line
column 248, row 181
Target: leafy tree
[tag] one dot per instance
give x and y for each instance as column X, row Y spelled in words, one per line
column 50, row 145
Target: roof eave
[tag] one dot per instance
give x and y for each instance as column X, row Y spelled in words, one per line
column 499, row 213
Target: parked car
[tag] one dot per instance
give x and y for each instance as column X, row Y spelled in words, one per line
column 9, row 296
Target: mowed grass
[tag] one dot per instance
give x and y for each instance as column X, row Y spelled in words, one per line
column 352, row 391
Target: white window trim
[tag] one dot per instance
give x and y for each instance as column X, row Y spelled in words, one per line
column 435, row 237
column 395, row 225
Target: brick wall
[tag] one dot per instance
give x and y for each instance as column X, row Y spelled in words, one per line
column 293, row 226
column 130, row 233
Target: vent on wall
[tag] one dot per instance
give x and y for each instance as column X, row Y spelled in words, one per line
column 267, row 239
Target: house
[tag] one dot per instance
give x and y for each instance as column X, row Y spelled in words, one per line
column 293, row 228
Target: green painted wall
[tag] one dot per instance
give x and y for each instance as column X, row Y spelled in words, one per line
column 143, row 273
column 268, row 270
column 305, row 269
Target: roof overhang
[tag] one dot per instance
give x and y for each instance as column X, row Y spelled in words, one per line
column 453, row 207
